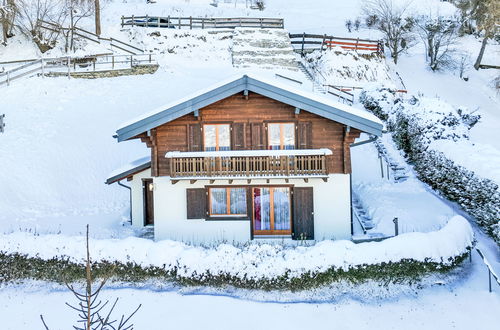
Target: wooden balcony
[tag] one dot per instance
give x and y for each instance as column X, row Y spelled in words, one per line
column 249, row 164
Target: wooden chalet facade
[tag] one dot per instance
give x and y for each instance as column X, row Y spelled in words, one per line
column 247, row 158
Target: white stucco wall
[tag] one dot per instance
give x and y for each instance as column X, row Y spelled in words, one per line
column 137, row 197
column 331, row 210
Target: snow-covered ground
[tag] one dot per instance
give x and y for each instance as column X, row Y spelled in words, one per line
column 58, row 150
column 385, row 199
column 463, row 303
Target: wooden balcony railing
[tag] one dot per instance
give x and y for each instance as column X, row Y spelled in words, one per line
column 249, row 163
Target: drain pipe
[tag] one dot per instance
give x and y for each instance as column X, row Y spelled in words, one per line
column 130, row 198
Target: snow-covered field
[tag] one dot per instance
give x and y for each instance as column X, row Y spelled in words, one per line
column 58, row 149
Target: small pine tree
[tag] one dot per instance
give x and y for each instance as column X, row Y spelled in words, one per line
column 91, row 310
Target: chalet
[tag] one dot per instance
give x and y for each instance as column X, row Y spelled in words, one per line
column 247, row 158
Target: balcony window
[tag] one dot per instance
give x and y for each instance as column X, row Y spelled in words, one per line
column 281, row 136
column 228, row 202
column 217, row 137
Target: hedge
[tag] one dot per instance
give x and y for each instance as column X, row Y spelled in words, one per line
column 412, row 133
column 16, row 267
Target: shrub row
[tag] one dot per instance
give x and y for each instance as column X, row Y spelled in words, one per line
column 16, row 267
column 414, row 124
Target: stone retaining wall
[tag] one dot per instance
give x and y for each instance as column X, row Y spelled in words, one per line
column 135, row 70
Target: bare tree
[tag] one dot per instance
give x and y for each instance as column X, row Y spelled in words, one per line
column 8, row 10
column 91, row 310
column 488, row 20
column 464, row 63
column 97, row 14
column 31, row 12
column 75, row 11
column 439, row 35
column 468, row 12
column 392, row 20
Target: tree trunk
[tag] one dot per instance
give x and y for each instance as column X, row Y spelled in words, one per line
column 481, row 53
column 5, row 28
column 97, row 18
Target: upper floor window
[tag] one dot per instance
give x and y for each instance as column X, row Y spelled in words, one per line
column 281, row 136
column 217, row 137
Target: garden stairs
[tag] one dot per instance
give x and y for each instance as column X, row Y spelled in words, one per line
column 263, row 48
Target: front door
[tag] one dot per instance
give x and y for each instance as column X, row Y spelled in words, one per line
column 147, row 188
column 271, row 211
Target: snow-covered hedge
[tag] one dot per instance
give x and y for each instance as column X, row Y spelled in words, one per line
column 435, row 138
column 265, row 266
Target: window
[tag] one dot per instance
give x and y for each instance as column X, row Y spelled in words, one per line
column 271, row 211
column 217, row 137
column 281, row 136
column 228, row 202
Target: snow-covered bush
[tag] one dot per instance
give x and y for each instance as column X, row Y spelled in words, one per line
column 342, row 67
column 407, row 257
column 418, row 125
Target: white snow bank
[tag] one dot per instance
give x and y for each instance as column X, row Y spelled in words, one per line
column 483, row 159
column 347, row 68
column 255, row 261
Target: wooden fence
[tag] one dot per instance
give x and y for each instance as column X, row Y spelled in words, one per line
column 304, row 43
column 202, row 22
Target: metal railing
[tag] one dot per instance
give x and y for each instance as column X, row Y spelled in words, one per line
column 68, row 64
column 248, row 166
column 305, row 43
column 113, row 42
column 2, row 123
column 491, row 273
column 202, row 22
column 340, row 92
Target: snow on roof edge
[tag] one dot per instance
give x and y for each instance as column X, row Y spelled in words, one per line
column 127, row 169
column 323, row 99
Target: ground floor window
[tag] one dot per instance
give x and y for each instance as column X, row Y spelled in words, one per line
column 227, row 202
column 271, row 211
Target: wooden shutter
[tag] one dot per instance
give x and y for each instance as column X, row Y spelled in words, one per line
column 304, row 135
column 303, row 213
column 196, row 203
column 238, row 136
column 259, row 135
column 194, row 137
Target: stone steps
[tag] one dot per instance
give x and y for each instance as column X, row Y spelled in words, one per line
column 263, row 48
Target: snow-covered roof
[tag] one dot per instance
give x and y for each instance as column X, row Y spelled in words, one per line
column 271, row 87
column 129, row 169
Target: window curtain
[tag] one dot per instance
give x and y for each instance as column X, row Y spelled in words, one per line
column 224, row 137
column 262, row 217
column 281, row 201
column 209, row 134
column 218, row 200
column 238, row 199
column 288, row 136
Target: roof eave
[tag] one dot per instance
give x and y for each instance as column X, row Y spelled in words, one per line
column 315, row 107
column 182, row 109
column 257, row 86
column 128, row 173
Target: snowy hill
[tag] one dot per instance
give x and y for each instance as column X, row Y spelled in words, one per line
column 58, row 149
